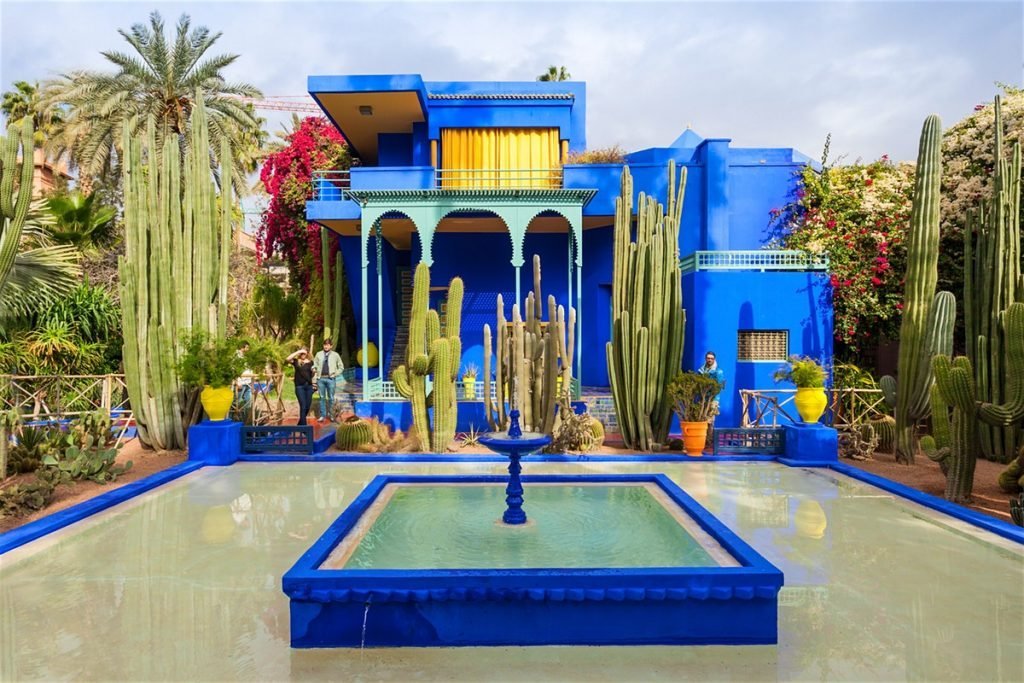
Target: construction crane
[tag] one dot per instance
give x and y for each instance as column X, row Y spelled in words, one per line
column 280, row 103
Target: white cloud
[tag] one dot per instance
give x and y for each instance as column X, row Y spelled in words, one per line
column 764, row 74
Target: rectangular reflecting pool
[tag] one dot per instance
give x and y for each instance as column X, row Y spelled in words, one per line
column 422, row 526
column 602, row 560
column 184, row 584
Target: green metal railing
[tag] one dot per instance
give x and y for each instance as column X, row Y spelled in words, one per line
column 760, row 259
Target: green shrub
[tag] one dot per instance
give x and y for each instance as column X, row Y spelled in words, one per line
column 694, row 396
column 209, row 362
column 804, row 372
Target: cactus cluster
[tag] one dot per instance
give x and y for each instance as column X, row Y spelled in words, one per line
column 174, row 272
column 14, row 205
column 648, row 319
column 992, row 283
column 353, row 433
column 533, row 358
column 431, row 355
column 928, row 318
column 954, row 446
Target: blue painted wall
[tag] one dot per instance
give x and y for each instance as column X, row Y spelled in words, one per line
column 718, row 304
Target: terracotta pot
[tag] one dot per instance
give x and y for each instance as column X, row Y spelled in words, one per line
column 216, row 402
column 810, row 403
column 695, row 435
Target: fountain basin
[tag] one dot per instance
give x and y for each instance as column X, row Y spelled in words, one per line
column 632, row 559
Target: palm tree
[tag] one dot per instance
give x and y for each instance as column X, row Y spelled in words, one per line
column 25, row 100
column 555, row 73
column 159, row 80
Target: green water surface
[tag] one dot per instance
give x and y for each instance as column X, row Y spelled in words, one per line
column 457, row 527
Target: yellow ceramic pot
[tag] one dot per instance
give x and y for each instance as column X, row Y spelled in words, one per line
column 695, row 435
column 810, row 519
column 216, row 402
column 469, row 389
column 810, row 403
column 372, row 356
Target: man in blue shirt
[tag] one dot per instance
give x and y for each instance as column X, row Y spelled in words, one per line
column 711, row 369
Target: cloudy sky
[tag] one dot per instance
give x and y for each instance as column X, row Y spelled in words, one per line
column 761, row 73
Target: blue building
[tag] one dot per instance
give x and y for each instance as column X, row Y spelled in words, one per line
column 474, row 178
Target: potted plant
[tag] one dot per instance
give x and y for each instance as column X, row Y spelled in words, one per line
column 213, row 364
column 695, row 400
column 809, row 377
column 469, row 381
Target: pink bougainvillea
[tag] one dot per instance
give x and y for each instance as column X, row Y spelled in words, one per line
column 858, row 216
column 287, row 177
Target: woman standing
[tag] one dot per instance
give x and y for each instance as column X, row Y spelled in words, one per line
column 303, row 365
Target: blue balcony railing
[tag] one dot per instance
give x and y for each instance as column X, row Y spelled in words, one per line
column 330, row 186
column 756, row 259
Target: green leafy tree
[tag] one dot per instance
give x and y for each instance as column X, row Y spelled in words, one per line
column 555, row 73
column 160, row 78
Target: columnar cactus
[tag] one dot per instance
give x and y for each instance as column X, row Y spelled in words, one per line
column 954, row 380
column 937, row 445
column 174, row 272
column 538, row 355
column 992, row 283
column 14, row 205
column 648, row 318
column 429, row 354
column 1009, row 414
column 927, row 326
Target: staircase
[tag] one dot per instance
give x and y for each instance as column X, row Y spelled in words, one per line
column 404, row 294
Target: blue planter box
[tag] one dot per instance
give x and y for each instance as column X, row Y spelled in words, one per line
column 543, row 606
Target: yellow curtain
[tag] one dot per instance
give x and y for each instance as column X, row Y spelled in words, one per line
column 500, row 157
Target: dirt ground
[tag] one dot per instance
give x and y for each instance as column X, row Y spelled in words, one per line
column 144, row 463
column 925, row 475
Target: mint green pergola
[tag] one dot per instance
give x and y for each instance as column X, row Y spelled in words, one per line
column 427, row 208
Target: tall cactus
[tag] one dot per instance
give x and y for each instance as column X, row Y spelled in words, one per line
column 928, row 318
column 954, row 380
column 429, row 354
column 332, row 280
column 14, row 205
column 647, row 312
column 1008, row 415
column 537, row 354
column 174, row 272
column 992, row 283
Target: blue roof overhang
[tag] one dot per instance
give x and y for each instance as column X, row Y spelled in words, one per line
column 362, row 107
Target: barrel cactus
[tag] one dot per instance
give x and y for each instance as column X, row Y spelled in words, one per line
column 885, row 430
column 353, row 433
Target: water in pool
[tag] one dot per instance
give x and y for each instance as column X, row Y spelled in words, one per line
column 185, row 585
column 456, row 527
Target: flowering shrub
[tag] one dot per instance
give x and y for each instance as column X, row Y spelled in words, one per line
column 968, row 168
column 858, row 216
column 286, row 175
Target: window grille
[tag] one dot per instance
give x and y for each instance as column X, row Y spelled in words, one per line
column 763, row 345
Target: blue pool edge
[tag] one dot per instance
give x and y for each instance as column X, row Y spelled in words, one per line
column 58, row 520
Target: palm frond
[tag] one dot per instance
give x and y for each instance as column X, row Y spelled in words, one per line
column 39, row 276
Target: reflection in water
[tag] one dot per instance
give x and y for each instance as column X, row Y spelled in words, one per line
column 185, row 584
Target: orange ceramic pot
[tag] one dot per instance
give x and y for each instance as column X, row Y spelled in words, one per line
column 695, row 435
